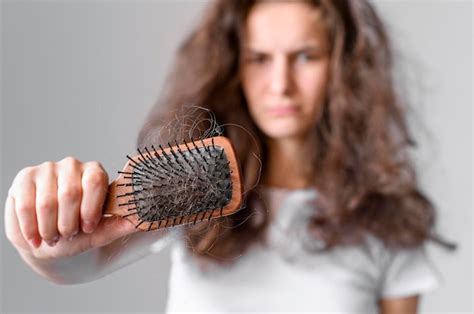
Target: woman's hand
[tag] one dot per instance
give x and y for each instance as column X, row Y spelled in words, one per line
column 54, row 210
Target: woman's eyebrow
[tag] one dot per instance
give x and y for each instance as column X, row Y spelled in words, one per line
column 252, row 50
column 305, row 48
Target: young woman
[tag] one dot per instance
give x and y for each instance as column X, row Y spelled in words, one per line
column 336, row 221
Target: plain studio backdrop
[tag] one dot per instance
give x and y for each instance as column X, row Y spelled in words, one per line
column 78, row 78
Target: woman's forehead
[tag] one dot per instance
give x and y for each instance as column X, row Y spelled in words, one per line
column 283, row 26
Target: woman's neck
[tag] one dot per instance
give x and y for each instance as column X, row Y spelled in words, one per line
column 285, row 164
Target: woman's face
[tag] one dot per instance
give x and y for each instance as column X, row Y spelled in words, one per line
column 284, row 67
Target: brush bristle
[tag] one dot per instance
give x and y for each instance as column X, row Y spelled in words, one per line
column 171, row 185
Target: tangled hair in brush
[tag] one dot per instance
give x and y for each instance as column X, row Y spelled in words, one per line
column 359, row 158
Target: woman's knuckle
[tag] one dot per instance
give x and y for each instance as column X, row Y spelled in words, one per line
column 23, row 209
column 28, row 170
column 94, row 164
column 47, row 165
column 25, row 173
column 69, row 193
column 69, row 160
column 95, row 179
column 46, row 204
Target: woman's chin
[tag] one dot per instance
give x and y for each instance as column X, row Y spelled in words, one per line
column 282, row 134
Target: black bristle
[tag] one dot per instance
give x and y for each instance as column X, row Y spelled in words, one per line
column 192, row 151
column 151, row 225
column 133, row 161
column 138, row 225
column 206, row 148
column 163, row 153
column 156, row 152
column 175, row 156
column 148, row 154
column 127, row 194
column 169, row 186
column 195, row 219
column 143, row 160
column 131, row 214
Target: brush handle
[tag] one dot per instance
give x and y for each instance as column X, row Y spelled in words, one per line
column 115, row 206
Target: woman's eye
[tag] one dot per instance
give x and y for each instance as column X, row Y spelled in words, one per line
column 257, row 59
column 305, row 57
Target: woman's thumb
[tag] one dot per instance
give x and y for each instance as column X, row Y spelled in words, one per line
column 110, row 229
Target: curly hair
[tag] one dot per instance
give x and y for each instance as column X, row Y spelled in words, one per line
column 360, row 159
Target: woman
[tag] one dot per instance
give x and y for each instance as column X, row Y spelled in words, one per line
column 336, row 221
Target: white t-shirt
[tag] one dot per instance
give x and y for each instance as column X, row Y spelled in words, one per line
column 285, row 276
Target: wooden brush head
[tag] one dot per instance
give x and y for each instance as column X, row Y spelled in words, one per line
column 180, row 184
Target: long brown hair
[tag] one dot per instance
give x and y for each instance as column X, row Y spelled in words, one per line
column 367, row 182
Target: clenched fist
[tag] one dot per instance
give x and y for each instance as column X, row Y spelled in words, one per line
column 55, row 210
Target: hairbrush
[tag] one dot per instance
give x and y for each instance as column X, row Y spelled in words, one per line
column 178, row 184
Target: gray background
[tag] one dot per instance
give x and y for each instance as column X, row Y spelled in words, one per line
column 78, row 78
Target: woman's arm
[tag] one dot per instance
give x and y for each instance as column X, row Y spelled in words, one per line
column 53, row 218
column 407, row 305
column 98, row 262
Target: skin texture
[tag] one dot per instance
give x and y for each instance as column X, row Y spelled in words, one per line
column 284, row 74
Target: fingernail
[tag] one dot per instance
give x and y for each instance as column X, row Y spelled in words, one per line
column 53, row 241
column 34, row 242
column 50, row 242
column 88, row 226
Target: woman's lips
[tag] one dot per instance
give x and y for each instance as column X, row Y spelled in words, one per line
column 279, row 111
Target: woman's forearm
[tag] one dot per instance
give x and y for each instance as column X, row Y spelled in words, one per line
column 96, row 263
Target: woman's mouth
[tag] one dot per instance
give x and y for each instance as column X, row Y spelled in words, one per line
column 279, row 111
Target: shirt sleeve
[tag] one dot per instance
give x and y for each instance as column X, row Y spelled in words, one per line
column 408, row 272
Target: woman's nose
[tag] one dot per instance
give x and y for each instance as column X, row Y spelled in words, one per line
column 280, row 80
